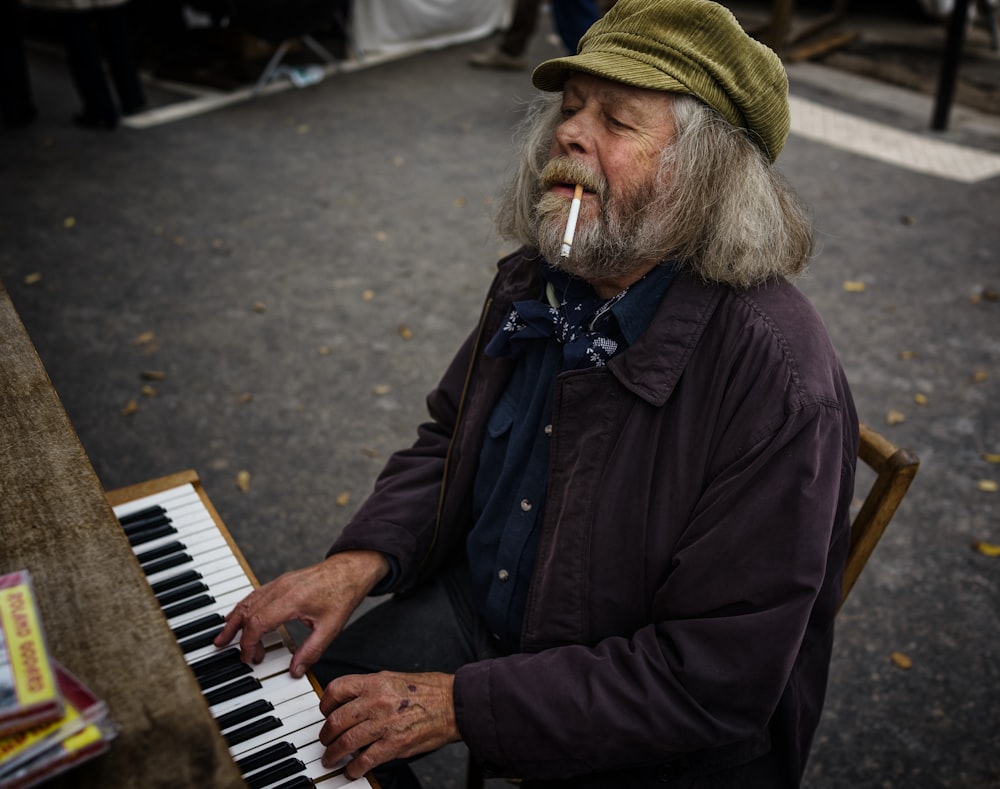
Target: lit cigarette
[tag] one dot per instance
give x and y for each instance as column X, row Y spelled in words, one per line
column 574, row 213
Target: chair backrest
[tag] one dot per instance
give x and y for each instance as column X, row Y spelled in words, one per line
column 894, row 471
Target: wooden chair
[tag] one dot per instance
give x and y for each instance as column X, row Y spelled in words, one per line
column 894, row 470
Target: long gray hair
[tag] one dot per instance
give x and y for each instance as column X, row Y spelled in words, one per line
column 727, row 214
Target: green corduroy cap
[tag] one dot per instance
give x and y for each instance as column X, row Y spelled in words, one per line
column 685, row 46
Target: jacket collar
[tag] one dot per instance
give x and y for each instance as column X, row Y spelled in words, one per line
column 650, row 367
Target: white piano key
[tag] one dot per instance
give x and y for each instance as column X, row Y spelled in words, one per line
column 273, row 644
column 281, row 686
column 276, row 657
column 310, row 755
column 301, row 729
column 193, row 542
column 341, row 781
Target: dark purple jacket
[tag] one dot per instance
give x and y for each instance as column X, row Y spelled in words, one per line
column 689, row 566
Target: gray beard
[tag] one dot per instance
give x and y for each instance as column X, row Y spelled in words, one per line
column 624, row 236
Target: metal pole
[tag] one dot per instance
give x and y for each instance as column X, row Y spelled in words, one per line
column 949, row 64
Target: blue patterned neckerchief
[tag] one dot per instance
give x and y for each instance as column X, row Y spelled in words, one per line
column 571, row 314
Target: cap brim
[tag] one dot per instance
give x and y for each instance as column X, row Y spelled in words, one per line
column 552, row 74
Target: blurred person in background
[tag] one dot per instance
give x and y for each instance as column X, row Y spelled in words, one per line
column 95, row 31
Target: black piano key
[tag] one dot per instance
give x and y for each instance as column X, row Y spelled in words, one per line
column 174, row 581
column 204, row 623
column 181, row 593
column 192, row 604
column 144, row 524
column 174, row 546
column 148, row 535
column 212, row 663
column 225, row 674
column 143, row 514
column 302, row 782
column 274, row 774
column 266, row 756
column 245, row 713
column 165, row 564
column 201, row 640
column 252, row 730
column 240, row 687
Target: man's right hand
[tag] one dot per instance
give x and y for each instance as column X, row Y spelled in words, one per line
column 322, row 597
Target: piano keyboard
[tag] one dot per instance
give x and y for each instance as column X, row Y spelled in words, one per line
column 269, row 720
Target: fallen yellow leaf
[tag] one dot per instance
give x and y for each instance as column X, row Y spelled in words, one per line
column 459, row 202
column 149, row 391
column 153, row 375
column 405, row 333
column 988, row 485
column 992, row 457
column 343, row 498
column 243, row 481
column 979, row 376
column 920, row 399
column 854, row 286
column 145, row 337
column 381, row 389
column 899, row 660
column 69, row 222
column 907, row 355
column 130, row 408
column 894, row 417
column 33, row 278
column 259, row 306
column 986, row 548
column 368, row 295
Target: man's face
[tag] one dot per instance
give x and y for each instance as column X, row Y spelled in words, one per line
column 610, row 139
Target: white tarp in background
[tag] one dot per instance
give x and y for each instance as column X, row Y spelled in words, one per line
column 389, row 27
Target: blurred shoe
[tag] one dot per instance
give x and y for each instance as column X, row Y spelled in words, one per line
column 498, row 59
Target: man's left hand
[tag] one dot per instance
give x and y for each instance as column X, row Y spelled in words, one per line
column 385, row 716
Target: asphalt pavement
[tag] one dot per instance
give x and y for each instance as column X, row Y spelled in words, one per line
column 273, row 286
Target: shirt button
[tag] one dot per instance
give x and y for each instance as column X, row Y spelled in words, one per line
column 503, row 575
column 548, row 430
column 525, row 505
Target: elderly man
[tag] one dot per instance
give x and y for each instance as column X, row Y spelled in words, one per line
column 616, row 548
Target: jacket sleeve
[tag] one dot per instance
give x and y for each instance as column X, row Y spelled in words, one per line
column 727, row 626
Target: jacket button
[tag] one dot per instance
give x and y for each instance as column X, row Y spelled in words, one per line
column 525, row 505
column 548, row 430
column 503, row 575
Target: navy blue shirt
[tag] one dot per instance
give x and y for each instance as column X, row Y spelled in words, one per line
column 510, row 486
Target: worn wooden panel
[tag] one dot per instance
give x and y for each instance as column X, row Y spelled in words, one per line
column 99, row 613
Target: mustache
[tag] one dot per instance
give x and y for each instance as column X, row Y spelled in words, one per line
column 564, row 170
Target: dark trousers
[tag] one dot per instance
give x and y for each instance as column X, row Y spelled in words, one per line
column 435, row 628
column 16, row 105
column 92, row 37
column 572, row 19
